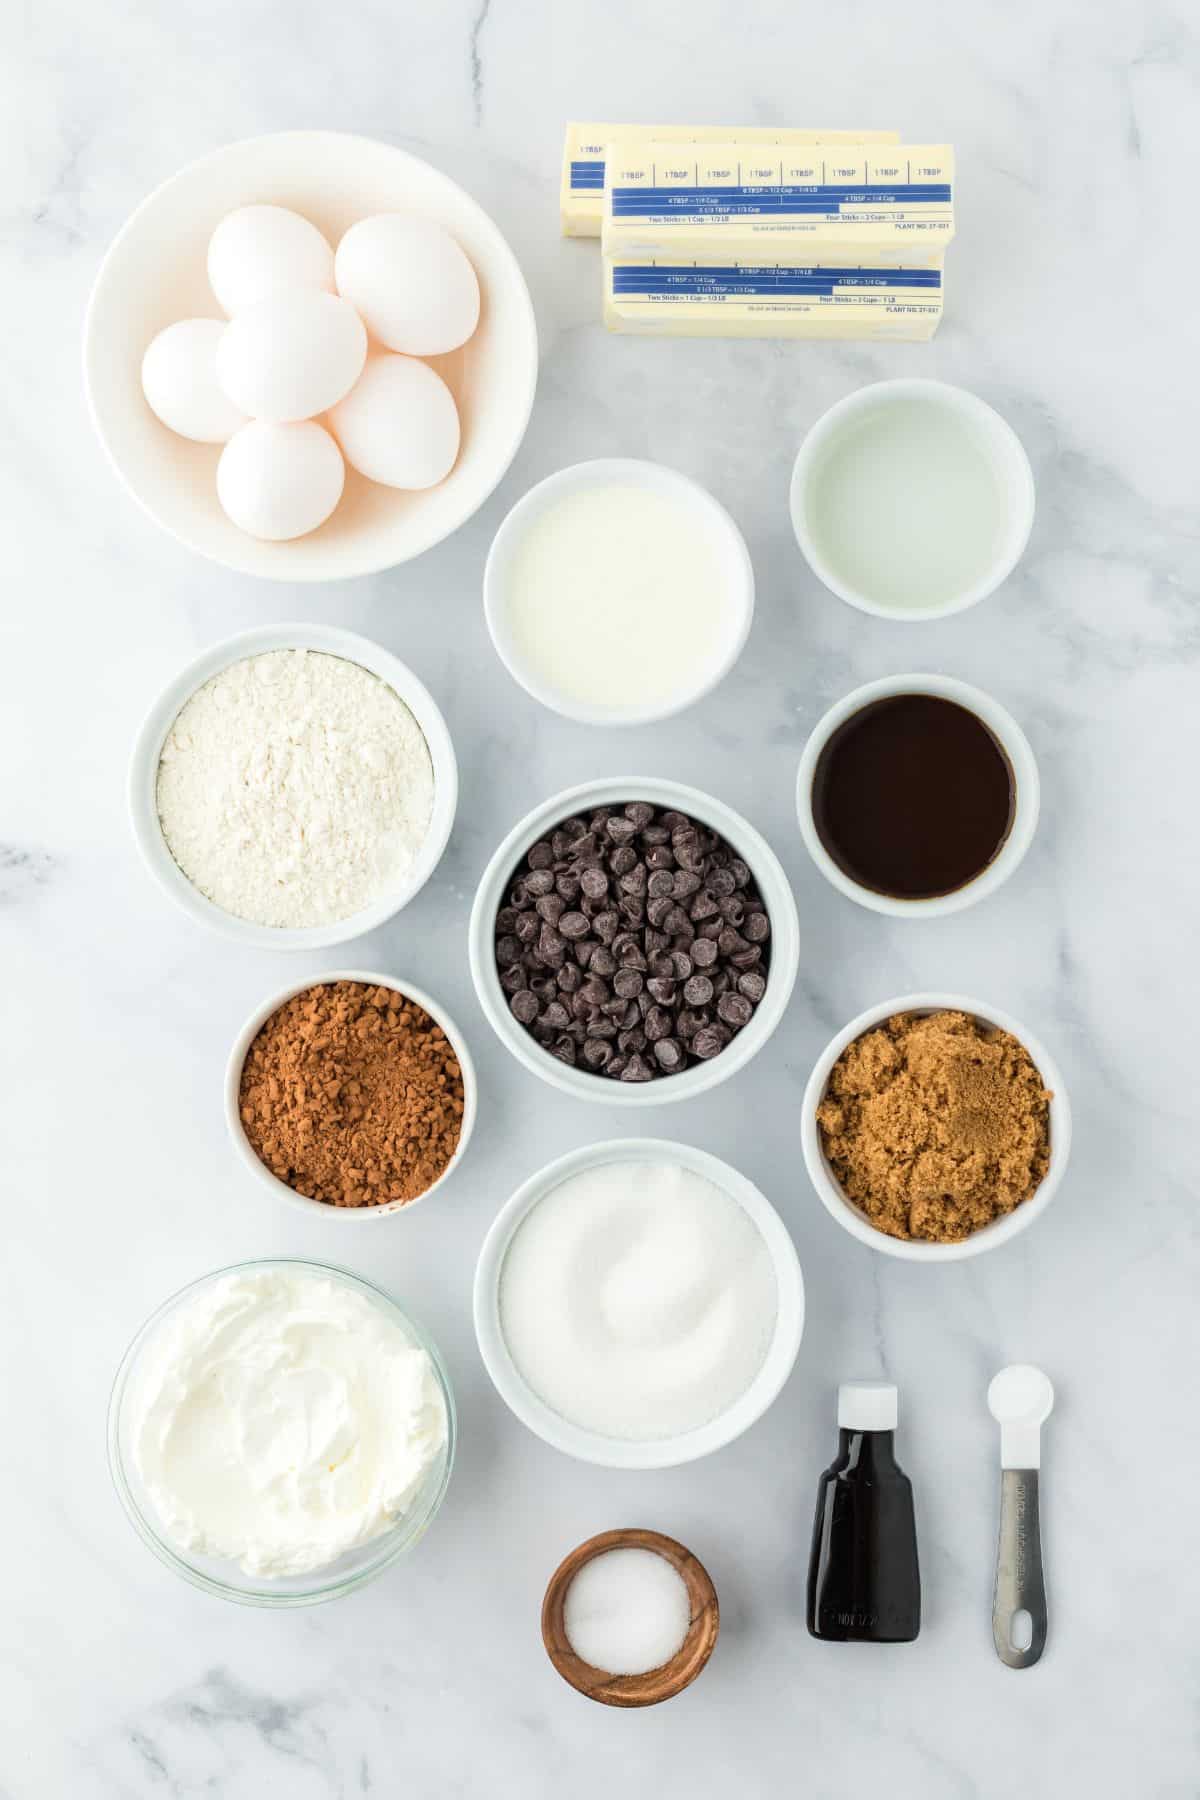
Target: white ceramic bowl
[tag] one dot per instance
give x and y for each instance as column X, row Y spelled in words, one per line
column 155, row 273
column 233, row 1082
column 736, row 567
column 773, row 885
column 996, row 438
column 143, row 782
column 225, row 1579
column 591, row 1446
column 1026, row 790
column 850, row 1218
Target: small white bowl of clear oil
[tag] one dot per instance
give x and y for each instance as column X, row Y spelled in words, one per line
column 912, row 499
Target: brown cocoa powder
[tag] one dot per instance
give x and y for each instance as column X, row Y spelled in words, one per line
column 353, row 1095
column 935, row 1126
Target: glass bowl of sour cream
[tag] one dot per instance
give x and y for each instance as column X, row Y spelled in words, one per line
column 280, row 1432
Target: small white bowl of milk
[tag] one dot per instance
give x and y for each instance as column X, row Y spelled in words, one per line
column 617, row 592
column 912, row 499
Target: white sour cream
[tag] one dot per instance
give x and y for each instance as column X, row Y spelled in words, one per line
column 280, row 1418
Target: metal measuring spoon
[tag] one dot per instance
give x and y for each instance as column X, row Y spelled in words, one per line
column 1020, row 1398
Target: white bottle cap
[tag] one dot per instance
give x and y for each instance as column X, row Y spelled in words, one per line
column 867, row 1406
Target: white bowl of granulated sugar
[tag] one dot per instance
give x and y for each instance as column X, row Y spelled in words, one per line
column 293, row 787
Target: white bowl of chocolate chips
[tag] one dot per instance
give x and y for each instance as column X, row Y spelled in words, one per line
column 634, row 941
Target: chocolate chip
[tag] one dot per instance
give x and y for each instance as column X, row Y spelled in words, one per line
column 668, row 1055
column 508, row 951
column 574, row 925
column 704, row 953
column 663, row 989
column 661, row 884
column 506, row 920
column 596, row 1052
column 564, row 1049
column 735, row 1009
column 756, row 927
column 540, row 857
column 512, row 980
column 550, row 907
column 524, row 1006
column 622, row 860
column 637, row 1070
column 594, row 883
column 753, row 986
column 746, row 959
column 620, row 830
column 698, row 991
column 555, row 1014
column 538, row 882
column 657, row 1023
column 721, row 881
column 707, row 1043
column 628, row 983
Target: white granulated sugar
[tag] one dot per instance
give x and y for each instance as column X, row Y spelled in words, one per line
column 295, row 788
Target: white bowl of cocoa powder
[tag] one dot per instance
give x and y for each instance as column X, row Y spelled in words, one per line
column 935, row 1127
column 351, row 1094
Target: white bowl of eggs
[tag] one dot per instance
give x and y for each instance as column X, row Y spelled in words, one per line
column 310, row 356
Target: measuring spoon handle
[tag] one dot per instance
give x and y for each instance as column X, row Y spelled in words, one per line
column 1020, row 1585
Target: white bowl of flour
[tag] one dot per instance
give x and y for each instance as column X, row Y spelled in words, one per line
column 293, row 787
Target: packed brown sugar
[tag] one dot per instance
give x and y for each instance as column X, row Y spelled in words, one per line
column 936, row 1126
column 353, row 1095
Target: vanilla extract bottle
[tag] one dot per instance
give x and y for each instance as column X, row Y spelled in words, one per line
column 864, row 1582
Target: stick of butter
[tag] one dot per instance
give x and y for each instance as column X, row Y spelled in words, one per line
column 582, row 198
column 883, row 206
column 772, row 300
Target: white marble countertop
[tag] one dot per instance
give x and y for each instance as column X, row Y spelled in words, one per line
column 1073, row 125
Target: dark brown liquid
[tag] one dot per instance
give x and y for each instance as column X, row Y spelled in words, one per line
column 913, row 796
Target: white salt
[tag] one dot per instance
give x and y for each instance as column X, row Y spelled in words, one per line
column 627, row 1611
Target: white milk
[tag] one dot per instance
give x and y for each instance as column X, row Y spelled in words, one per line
column 618, row 597
column 906, row 506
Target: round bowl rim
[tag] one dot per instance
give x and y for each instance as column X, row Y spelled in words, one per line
column 991, row 1237
column 395, row 1543
column 773, row 884
column 244, row 1150
column 1026, row 791
column 328, row 640
column 655, row 1453
column 604, row 471
column 960, row 399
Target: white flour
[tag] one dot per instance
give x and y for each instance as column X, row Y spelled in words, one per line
column 295, row 788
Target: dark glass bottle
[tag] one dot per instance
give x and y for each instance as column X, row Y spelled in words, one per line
column 864, row 1584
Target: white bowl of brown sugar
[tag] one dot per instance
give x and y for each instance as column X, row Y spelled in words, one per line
column 935, row 1127
column 351, row 1094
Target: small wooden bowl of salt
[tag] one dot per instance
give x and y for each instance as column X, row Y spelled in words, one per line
column 630, row 1618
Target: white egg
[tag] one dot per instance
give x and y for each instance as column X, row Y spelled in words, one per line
column 292, row 356
column 179, row 380
column 410, row 281
column 259, row 251
column 398, row 424
column 279, row 481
